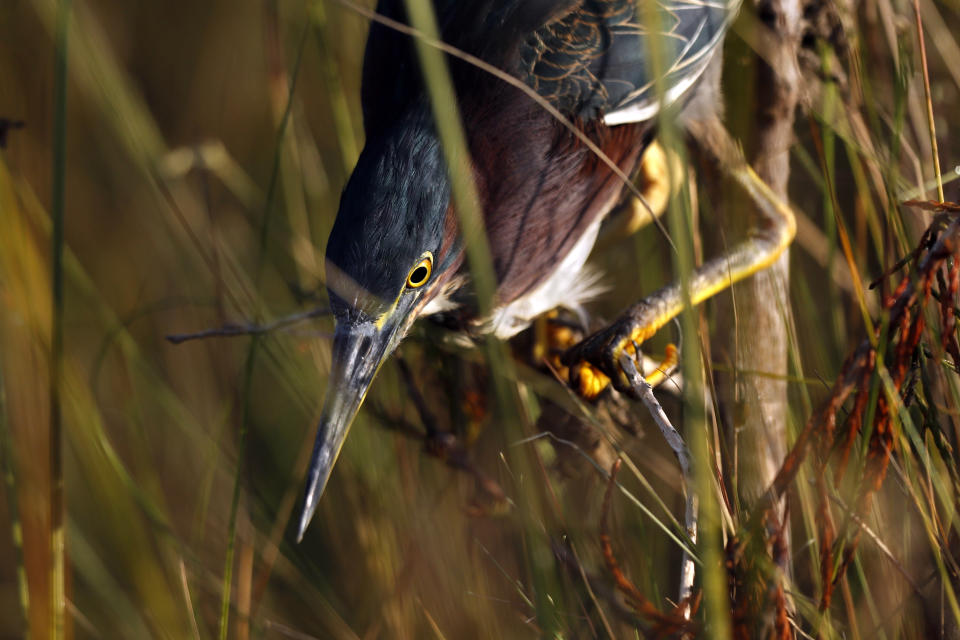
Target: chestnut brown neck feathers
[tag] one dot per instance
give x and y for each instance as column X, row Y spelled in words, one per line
column 540, row 186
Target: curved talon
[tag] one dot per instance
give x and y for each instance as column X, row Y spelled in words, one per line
column 595, row 362
column 671, row 358
column 589, row 381
column 598, row 357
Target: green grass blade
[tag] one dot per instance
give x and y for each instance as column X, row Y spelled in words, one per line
column 57, row 504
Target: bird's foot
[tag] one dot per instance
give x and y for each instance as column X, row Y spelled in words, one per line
column 556, row 334
column 594, row 363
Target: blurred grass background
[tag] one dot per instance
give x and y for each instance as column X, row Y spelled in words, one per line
column 207, row 144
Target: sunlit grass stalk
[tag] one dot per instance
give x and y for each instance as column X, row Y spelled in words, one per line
column 830, row 104
column 897, row 142
column 277, row 159
column 805, row 499
column 56, row 497
column 247, row 387
column 904, row 427
column 454, row 142
column 929, row 102
column 89, row 295
column 709, row 537
column 873, row 218
column 299, row 241
column 872, row 605
column 709, row 544
column 512, row 413
column 339, row 107
column 465, row 197
column 843, row 236
column 8, row 469
column 247, row 390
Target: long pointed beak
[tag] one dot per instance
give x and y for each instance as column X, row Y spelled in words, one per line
column 358, row 352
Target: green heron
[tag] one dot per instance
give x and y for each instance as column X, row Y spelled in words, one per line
column 395, row 254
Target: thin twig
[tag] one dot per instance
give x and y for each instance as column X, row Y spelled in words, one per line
column 234, row 330
column 679, row 447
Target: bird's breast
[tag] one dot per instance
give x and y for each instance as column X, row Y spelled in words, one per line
column 571, row 284
column 544, row 192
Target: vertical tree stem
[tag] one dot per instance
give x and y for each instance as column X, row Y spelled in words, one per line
column 757, row 326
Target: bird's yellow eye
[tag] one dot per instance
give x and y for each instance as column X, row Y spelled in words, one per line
column 420, row 273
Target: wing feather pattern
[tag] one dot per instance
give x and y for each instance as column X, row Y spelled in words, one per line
column 591, row 58
column 595, row 61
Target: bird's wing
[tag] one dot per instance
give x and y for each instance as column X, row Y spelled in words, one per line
column 493, row 30
column 590, row 58
column 622, row 59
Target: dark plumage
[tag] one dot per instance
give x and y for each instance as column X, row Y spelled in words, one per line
column 401, row 170
column 595, row 59
column 542, row 191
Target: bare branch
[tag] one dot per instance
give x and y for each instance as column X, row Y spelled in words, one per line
column 643, row 389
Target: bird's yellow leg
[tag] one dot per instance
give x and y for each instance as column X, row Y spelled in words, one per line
column 653, row 179
column 599, row 354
